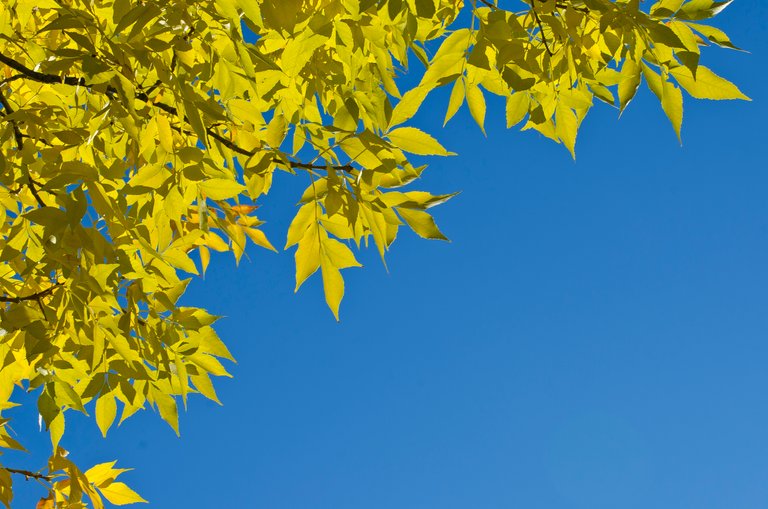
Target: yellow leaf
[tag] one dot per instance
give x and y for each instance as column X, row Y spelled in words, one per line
column 707, row 84
column 339, row 254
column 119, row 493
column 180, row 260
column 304, row 218
column 517, row 108
column 169, row 411
column 408, row 105
column 630, row 82
column 415, row 141
column 422, row 223
column 164, row 133
column 672, row 104
column 456, row 100
column 221, row 188
column 106, row 411
column 56, row 429
column 333, row 286
column 258, row 238
column 566, row 127
column 104, row 473
column 476, row 103
column 307, row 255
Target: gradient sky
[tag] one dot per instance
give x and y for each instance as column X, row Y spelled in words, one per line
column 594, row 336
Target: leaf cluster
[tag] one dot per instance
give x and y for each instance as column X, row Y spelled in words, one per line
column 140, row 137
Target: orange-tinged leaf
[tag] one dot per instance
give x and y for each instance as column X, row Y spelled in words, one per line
column 45, row 503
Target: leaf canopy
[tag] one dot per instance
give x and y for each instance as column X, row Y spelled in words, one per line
column 139, row 136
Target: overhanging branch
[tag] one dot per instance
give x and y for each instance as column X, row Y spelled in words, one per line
column 29, row 475
column 144, row 97
column 34, row 296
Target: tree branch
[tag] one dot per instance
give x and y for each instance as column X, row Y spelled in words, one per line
column 7, row 110
column 29, row 475
column 35, row 296
column 39, row 76
column 33, row 189
column 143, row 96
column 541, row 27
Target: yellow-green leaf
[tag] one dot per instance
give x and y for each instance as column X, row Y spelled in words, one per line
column 416, row 141
column 707, row 84
column 422, row 223
column 221, row 188
column 476, row 103
column 456, row 99
column 408, row 105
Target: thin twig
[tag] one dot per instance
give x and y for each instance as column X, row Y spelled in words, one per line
column 144, row 97
column 29, row 475
column 541, row 27
column 489, row 4
column 7, row 110
column 35, row 296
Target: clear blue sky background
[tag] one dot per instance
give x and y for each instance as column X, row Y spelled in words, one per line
column 595, row 336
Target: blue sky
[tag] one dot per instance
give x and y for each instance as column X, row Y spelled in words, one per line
column 594, row 336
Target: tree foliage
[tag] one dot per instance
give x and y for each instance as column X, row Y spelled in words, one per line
column 139, row 136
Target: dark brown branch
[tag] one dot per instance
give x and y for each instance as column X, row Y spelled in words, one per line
column 139, row 320
column 488, row 4
column 39, row 76
column 12, row 78
column 30, row 475
column 561, row 5
column 33, row 189
column 7, row 110
column 152, row 88
column 35, row 296
column 306, row 166
column 541, row 27
column 293, row 164
column 143, row 96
